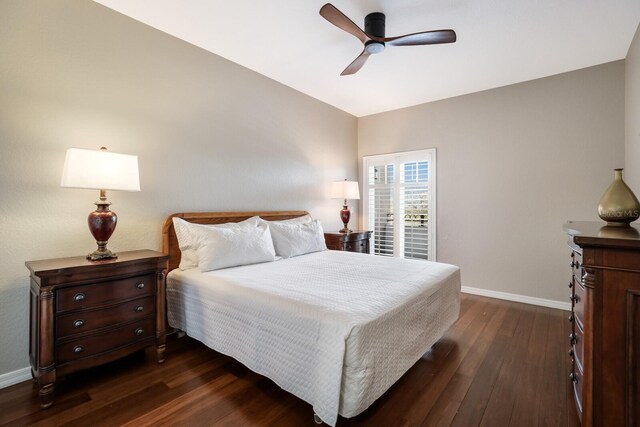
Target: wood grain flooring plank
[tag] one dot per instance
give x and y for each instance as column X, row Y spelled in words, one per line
column 180, row 403
column 255, row 408
column 475, row 401
column 448, row 402
column 123, row 409
column 530, row 375
column 298, row 413
column 33, row 415
column 428, row 395
column 216, row 406
column 500, row 405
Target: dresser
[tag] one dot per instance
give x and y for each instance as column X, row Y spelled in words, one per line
column 86, row 313
column 604, row 344
column 354, row 241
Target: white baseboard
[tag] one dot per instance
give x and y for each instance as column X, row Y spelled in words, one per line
column 518, row 298
column 15, row 377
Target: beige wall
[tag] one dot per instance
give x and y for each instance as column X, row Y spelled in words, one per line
column 210, row 135
column 632, row 111
column 514, row 164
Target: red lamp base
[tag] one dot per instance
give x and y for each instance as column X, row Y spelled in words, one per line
column 102, row 223
column 345, row 215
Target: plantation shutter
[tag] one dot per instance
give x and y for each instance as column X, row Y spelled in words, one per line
column 400, row 203
column 380, row 199
column 414, row 203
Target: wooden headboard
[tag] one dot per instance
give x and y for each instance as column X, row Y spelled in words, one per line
column 170, row 242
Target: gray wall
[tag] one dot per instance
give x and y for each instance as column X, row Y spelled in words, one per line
column 632, row 111
column 514, row 164
column 210, row 135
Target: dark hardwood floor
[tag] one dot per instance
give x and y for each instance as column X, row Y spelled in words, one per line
column 501, row 364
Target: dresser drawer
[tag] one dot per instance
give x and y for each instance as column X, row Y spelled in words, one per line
column 104, row 341
column 576, row 265
column 577, row 389
column 578, row 346
column 579, row 303
column 94, row 295
column 84, row 321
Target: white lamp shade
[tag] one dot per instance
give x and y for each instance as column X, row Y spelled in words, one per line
column 100, row 170
column 345, row 190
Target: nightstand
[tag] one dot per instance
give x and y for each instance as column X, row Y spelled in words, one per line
column 355, row 241
column 85, row 313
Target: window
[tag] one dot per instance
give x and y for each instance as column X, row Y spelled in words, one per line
column 400, row 203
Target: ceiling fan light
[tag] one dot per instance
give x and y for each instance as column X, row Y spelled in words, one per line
column 374, row 47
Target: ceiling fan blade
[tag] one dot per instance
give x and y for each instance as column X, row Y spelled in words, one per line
column 425, row 37
column 337, row 18
column 357, row 63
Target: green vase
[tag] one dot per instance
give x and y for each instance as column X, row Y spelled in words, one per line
column 618, row 205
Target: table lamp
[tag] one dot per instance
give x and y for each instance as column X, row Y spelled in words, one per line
column 345, row 190
column 101, row 170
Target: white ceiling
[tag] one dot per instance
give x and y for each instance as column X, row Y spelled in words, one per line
column 500, row 42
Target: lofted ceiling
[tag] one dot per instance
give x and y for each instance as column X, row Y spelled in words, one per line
column 500, row 42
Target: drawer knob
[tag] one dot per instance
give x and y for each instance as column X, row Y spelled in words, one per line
column 577, row 264
column 573, row 264
column 571, row 284
column 573, row 254
column 139, row 331
column 78, row 349
column 573, row 298
column 573, row 377
column 573, row 338
column 78, row 297
column 571, row 318
column 571, row 352
column 78, row 323
column 140, row 286
column 139, row 309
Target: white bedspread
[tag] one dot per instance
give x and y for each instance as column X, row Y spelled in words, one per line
column 336, row 329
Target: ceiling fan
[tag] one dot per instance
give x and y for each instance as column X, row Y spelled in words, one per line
column 373, row 35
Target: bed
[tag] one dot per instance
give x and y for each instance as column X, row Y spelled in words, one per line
column 336, row 329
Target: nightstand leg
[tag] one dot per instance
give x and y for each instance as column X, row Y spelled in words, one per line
column 160, row 349
column 161, row 313
column 46, row 364
column 46, row 395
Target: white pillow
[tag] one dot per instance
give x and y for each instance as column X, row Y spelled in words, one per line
column 189, row 236
column 297, row 239
column 229, row 247
column 298, row 220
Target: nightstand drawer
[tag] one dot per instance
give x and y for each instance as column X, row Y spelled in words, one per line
column 85, row 321
column 357, row 246
column 94, row 295
column 108, row 340
column 355, row 241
